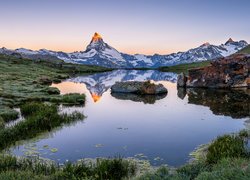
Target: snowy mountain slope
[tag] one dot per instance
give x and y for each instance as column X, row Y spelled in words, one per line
column 100, row 53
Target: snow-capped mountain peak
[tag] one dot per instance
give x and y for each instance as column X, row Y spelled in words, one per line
column 100, row 53
column 97, row 43
column 96, row 37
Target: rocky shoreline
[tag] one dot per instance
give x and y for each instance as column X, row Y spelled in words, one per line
column 227, row 72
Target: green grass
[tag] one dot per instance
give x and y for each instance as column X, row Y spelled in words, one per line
column 245, row 50
column 229, row 168
column 8, row 114
column 71, row 99
column 184, row 67
column 23, row 80
column 39, row 118
column 227, row 146
column 113, row 169
column 226, row 157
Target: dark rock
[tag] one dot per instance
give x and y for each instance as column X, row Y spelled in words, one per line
column 181, row 80
column 228, row 72
column 146, row 99
column 228, row 102
column 137, row 87
column 181, row 92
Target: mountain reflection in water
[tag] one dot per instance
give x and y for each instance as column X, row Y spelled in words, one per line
column 99, row 83
column 163, row 129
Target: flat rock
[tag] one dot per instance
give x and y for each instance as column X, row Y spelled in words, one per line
column 137, row 87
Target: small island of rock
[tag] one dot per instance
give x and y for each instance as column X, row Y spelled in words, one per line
column 137, row 87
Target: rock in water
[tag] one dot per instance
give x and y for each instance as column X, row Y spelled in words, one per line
column 181, row 80
column 137, row 87
column 229, row 72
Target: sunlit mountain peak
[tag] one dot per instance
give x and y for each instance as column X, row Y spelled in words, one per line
column 96, row 37
column 95, row 97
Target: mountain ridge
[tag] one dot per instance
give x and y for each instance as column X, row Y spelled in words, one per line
column 102, row 54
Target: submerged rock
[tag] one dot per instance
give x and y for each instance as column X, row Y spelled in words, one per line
column 137, row 87
column 226, row 72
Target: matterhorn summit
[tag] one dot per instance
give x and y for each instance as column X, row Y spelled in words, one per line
column 99, row 53
column 97, row 43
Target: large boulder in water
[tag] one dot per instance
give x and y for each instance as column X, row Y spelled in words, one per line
column 137, row 87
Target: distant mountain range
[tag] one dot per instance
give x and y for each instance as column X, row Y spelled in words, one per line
column 100, row 53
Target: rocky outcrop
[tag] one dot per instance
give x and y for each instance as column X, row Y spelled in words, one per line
column 137, row 87
column 229, row 72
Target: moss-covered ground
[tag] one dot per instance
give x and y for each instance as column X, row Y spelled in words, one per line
column 23, row 80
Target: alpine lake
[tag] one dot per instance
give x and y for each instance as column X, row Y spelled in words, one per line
column 162, row 129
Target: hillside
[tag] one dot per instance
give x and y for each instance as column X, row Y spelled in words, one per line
column 184, row 67
column 26, row 80
column 245, row 50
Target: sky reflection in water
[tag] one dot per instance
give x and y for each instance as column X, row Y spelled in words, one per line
column 170, row 128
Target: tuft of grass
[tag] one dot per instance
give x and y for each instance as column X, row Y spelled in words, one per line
column 32, row 108
column 113, row 169
column 8, row 114
column 229, row 168
column 53, row 90
column 227, row 146
column 39, row 118
column 1, row 123
column 193, row 170
column 71, row 99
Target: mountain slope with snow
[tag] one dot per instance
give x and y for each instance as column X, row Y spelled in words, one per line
column 100, row 53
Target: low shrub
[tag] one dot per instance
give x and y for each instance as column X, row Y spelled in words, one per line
column 159, row 174
column 193, row 170
column 229, row 168
column 243, row 133
column 73, row 98
column 226, row 146
column 113, row 169
column 31, row 108
column 21, row 175
column 53, row 90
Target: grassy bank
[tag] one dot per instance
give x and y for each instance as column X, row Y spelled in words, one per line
column 184, row 67
column 227, row 157
column 113, row 169
column 39, row 118
column 23, row 80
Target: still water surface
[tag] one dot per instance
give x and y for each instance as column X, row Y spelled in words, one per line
column 163, row 129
